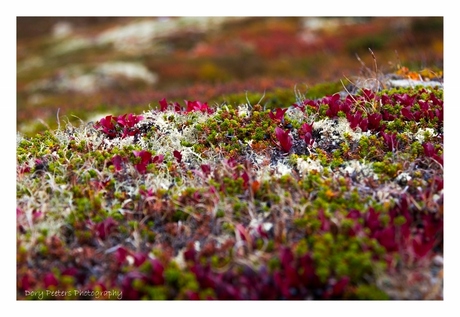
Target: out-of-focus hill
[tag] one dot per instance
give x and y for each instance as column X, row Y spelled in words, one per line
column 80, row 66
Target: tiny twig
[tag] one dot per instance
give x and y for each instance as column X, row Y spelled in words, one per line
column 58, row 121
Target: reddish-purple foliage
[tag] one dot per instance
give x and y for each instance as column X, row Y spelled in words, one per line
column 325, row 222
column 25, row 282
column 296, row 278
column 245, row 178
column 354, row 119
column 77, row 274
column 104, row 227
column 364, row 124
column 334, row 105
column 177, row 155
column 390, row 140
column 164, row 105
column 117, row 161
column 122, row 126
column 197, row 106
column 397, row 235
column 158, row 158
column 50, row 280
column 37, row 215
column 406, row 112
column 129, row 292
column 368, row 94
column 145, row 159
column 430, row 151
column 374, row 121
column 139, row 258
column 284, row 138
column 120, row 255
column 278, row 115
column 71, row 271
column 206, row 168
column 107, row 124
column 146, row 193
column 190, row 106
column 129, row 121
column 231, row 162
column 405, row 99
column 306, row 132
column 25, row 168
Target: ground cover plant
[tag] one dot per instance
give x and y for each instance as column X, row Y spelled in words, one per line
column 334, row 197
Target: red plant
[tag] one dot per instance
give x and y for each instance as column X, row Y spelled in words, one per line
column 177, row 155
column 145, row 159
column 197, row 106
column 374, row 121
column 164, row 105
column 50, row 280
column 112, row 126
column 190, row 106
column 117, row 161
column 158, row 158
column 354, row 119
column 305, row 132
column 285, row 140
column 278, row 115
column 108, row 126
column 130, row 121
column 406, row 112
column 103, row 228
column 390, row 140
column 430, row 151
column 206, row 168
column 334, row 105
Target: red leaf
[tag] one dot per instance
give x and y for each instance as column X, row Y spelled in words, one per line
column 139, row 258
column 145, row 160
column 157, row 272
column 284, row 138
column 407, row 113
column 117, row 161
column 50, row 280
column 103, row 228
column 177, row 155
column 278, row 115
column 421, row 248
column 158, row 158
column 245, row 178
column 121, row 255
column 163, row 104
column 374, row 120
column 428, row 149
column 305, row 128
column 206, row 169
column 363, row 124
column 108, row 126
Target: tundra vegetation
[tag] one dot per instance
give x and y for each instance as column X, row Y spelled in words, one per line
column 335, row 193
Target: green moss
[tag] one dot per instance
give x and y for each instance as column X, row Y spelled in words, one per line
column 370, row 292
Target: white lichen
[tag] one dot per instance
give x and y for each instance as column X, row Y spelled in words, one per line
column 337, row 129
column 306, row 166
column 420, row 134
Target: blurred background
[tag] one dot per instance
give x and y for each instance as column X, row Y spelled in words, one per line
column 81, row 68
